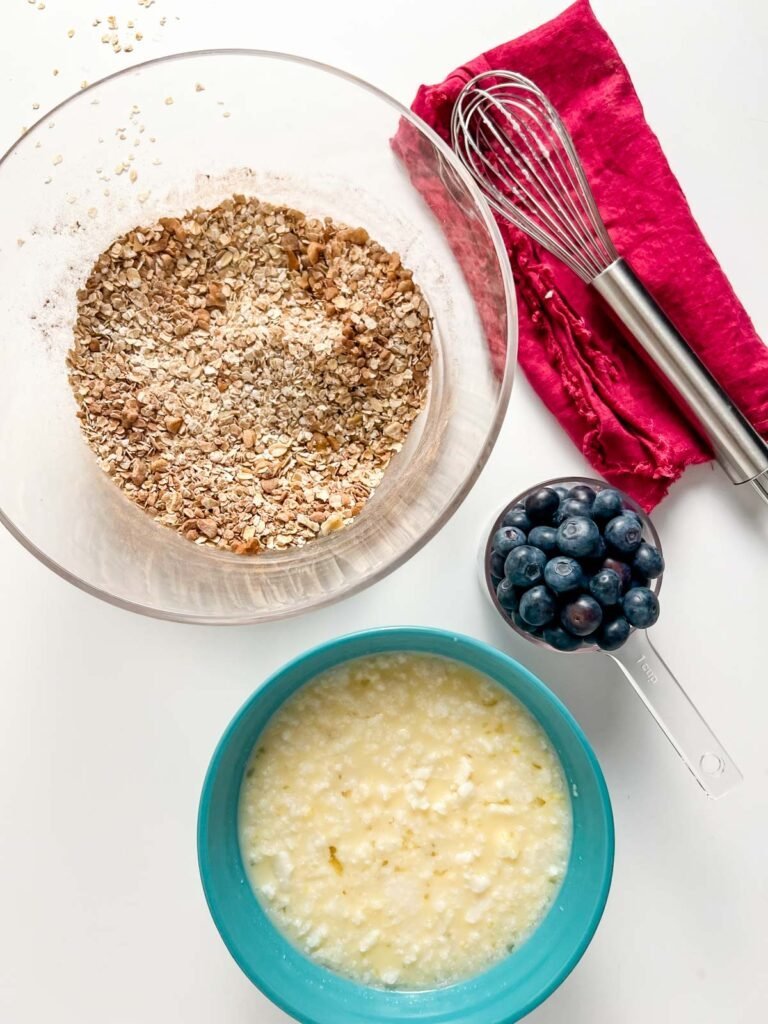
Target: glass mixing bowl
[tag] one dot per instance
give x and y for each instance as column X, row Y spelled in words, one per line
column 192, row 129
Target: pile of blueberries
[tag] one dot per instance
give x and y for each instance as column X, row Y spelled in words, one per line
column 570, row 566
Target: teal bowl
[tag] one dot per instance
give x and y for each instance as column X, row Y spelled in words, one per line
column 314, row 995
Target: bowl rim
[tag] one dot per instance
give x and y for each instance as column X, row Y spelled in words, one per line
column 444, row 641
column 505, row 389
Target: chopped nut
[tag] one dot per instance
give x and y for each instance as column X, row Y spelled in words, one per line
column 173, row 424
column 359, row 236
column 138, row 472
column 207, row 527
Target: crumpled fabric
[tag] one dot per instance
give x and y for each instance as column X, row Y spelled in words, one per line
column 578, row 361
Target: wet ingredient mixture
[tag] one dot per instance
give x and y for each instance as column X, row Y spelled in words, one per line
column 245, row 374
column 405, row 821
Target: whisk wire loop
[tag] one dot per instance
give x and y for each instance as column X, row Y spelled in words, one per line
column 512, row 140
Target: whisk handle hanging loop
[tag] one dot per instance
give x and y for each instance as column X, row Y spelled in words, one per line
column 738, row 447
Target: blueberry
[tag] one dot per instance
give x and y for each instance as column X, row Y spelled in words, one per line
column 507, row 596
column 582, row 616
column 506, row 538
column 613, row 634
column 562, row 492
column 624, row 533
column 560, row 639
column 517, row 517
column 607, row 504
column 605, row 587
column 542, row 505
column 648, row 560
column 621, row 569
column 526, row 627
column 537, row 606
column 496, row 566
column 571, row 507
column 582, row 492
column 525, row 565
column 544, row 537
column 599, row 550
column 563, row 574
column 578, row 536
column 641, row 607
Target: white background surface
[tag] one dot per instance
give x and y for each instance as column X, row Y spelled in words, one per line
column 107, row 720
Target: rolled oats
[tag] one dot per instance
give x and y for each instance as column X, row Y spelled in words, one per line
column 245, row 373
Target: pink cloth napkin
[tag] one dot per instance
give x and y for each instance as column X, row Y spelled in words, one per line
column 578, row 361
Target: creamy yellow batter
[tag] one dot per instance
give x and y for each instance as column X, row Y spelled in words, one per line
column 405, row 821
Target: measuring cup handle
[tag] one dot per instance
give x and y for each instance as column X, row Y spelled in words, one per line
column 672, row 708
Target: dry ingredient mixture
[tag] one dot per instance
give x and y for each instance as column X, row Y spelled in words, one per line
column 245, row 374
column 405, row 821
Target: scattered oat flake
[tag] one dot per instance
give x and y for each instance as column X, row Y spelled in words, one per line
column 48, row 181
column 57, row 159
column 92, row 212
column 70, row 33
column 112, row 21
column 226, row 114
column 143, row 197
column 168, row 101
column 20, row 242
column 55, row 72
column 199, row 87
column 139, row 36
column 35, row 106
column 84, row 84
column 133, row 175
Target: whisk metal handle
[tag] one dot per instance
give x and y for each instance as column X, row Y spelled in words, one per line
column 738, row 447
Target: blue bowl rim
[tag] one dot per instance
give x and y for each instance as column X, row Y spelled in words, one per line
column 406, row 634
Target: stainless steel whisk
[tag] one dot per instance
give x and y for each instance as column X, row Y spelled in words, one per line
column 511, row 139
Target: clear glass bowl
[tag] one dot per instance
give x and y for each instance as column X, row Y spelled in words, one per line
column 290, row 131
